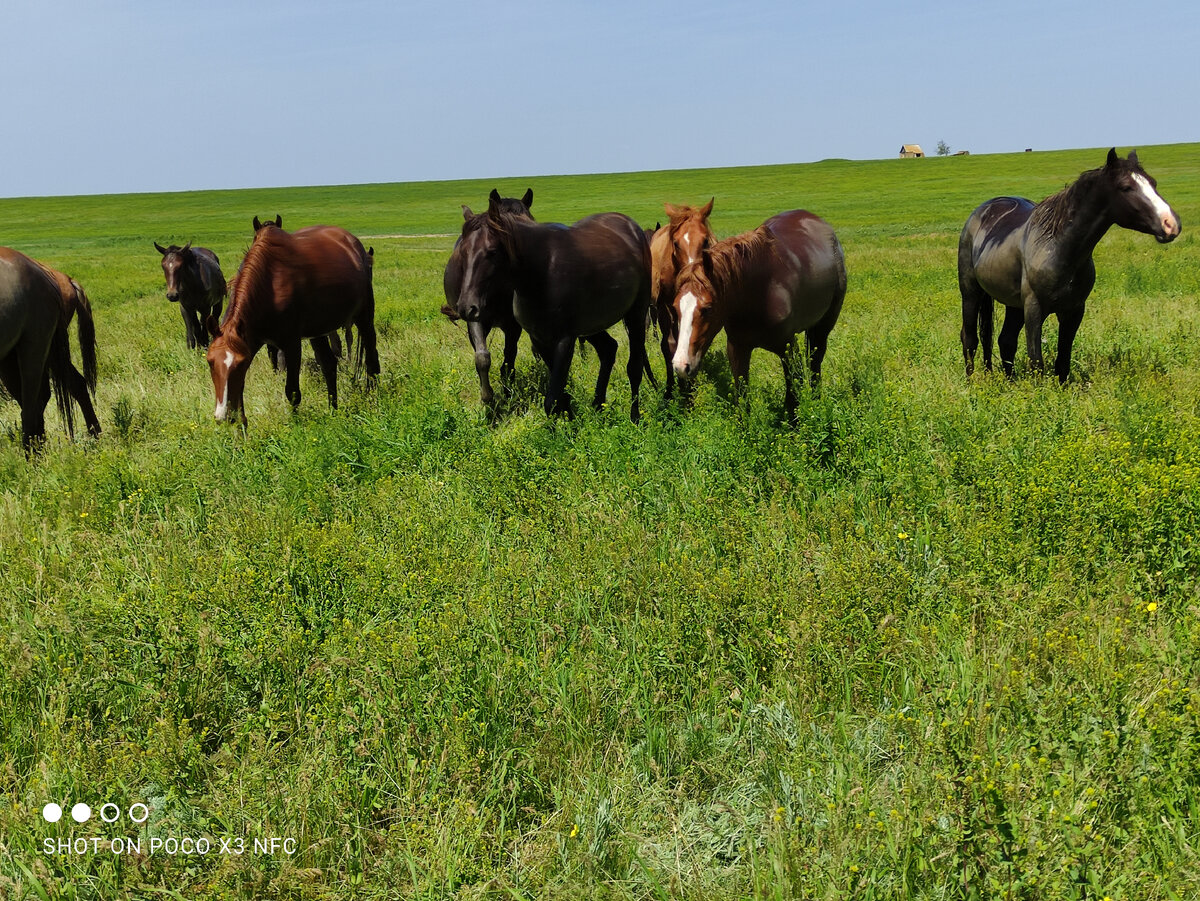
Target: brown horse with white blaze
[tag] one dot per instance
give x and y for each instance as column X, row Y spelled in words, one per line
column 764, row 288
column 672, row 247
column 289, row 287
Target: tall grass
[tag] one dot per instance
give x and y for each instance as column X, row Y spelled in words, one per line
column 936, row 639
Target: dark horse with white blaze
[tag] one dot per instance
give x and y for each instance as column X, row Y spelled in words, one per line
column 291, row 286
column 1036, row 259
column 496, row 310
column 569, row 283
column 35, row 350
column 196, row 283
column 764, row 288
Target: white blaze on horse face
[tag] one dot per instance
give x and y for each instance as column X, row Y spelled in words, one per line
column 683, row 347
column 1162, row 210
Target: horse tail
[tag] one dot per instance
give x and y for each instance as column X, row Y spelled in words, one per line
column 60, row 371
column 85, row 331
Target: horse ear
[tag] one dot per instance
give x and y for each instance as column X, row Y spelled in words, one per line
column 467, row 214
column 257, row 224
column 160, row 248
column 494, row 197
column 278, row 221
column 707, row 209
column 671, row 210
column 187, row 246
column 1133, row 158
column 1113, row 159
column 214, row 327
column 528, row 199
column 494, row 204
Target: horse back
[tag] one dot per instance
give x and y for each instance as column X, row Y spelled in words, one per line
column 30, row 300
column 989, row 247
column 805, row 275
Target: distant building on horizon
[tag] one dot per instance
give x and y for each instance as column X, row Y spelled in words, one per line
column 911, row 151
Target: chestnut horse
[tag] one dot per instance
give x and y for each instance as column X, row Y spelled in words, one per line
column 291, row 286
column 681, row 242
column 764, row 288
column 1036, row 259
column 497, row 309
column 335, row 341
column 35, row 350
column 570, row 283
column 196, row 283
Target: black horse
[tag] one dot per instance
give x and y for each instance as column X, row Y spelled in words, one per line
column 496, row 311
column 1036, row 259
column 196, row 283
column 569, row 282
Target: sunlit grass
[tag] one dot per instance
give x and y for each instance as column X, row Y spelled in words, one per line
column 935, row 639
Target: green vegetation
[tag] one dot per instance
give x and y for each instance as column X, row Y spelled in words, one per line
column 934, row 640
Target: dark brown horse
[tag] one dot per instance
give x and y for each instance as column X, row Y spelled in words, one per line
column 764, row 288
column 291, row 286
column 35, row 351
column 569, row 282
column 81, row 386
column 1036, row 259
column 496, row 311
column 686, row 235
column 196, row 283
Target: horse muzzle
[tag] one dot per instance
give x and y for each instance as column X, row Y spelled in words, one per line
column 1171, row 227
column 173, row 296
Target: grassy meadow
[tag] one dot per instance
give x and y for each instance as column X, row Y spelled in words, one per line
column 937, row 639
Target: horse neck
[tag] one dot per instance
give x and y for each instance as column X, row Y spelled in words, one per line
column 1084, row 220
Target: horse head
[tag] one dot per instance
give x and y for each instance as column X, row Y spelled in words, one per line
column 1134, row 199
column 697, row 315
column 177, row 262
column 259, row 226
column 477, row 275
column 689, row 230
column 228, row 359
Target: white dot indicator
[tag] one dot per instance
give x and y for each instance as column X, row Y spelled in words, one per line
column 81, row 813
column 52, row 813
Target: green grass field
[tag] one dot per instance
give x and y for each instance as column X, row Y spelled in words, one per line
column 935, row 640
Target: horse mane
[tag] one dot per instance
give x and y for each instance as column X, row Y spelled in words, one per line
column 723, row 262
column 1055, row 213
column 254, row 272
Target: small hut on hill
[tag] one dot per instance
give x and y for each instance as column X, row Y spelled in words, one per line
column 910, row 151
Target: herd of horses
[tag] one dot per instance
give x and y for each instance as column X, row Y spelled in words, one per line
column 569, row 284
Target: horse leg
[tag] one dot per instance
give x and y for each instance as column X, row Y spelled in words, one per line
column 739, row 365
column 973, row 298
column 1010, row 332
column 335, row 343
column 34, row 394
column 986, row 329
column 189, row 326
column 1034, row 317
column 478, row 336
column 1068, row 325
column 291, row 362
column 328, row 361
column 559, row 360
column 77, row 386
column 368, row 350
column 790, row 360
column 508, row 368
column 606, row 352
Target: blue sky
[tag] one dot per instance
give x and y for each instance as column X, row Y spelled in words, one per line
column 108, row 96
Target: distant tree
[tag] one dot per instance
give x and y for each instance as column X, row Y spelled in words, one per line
column 943, row 148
